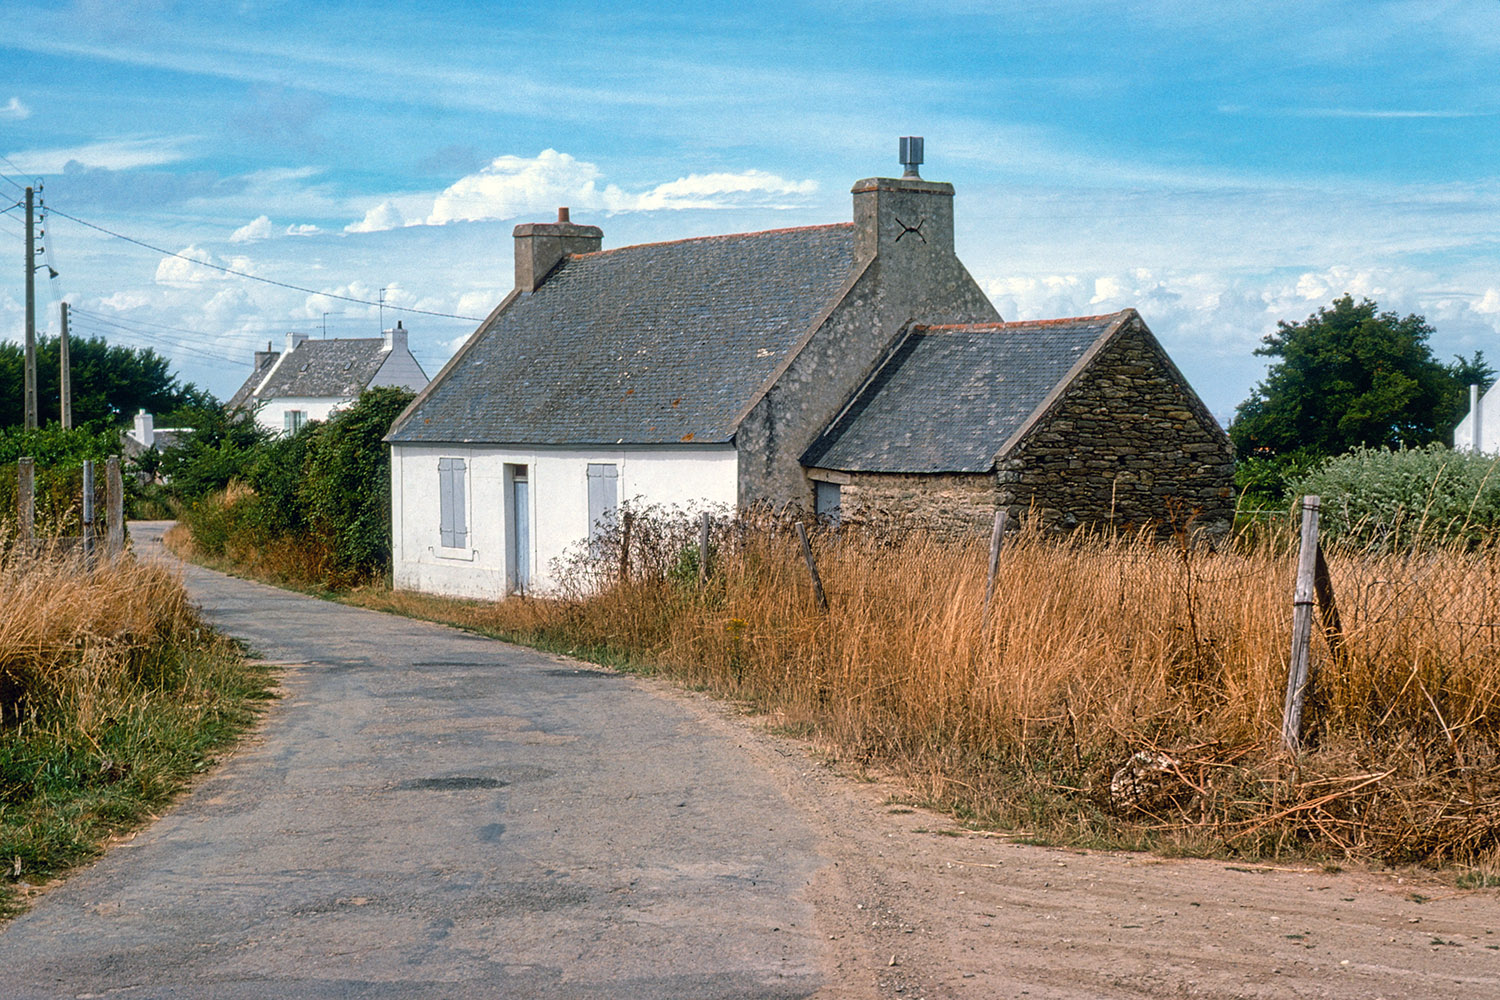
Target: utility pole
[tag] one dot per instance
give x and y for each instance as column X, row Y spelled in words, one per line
column 65, row 375
column 30, row 314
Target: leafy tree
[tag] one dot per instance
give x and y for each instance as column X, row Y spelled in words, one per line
column 347, row 485
column 1349, row 377
column 219, row 449
column 109, row 383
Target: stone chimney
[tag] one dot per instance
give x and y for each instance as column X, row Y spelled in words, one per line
column 145, row 429
column 395, row 338
column 293, row 339
column 263, row 359
column 903, row 219
column 540, row 246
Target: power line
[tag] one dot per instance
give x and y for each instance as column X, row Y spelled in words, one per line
column 256, row 277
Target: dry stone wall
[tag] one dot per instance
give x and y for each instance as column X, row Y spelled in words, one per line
column 1127, row 443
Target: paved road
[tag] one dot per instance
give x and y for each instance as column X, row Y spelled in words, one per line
column 427, row 813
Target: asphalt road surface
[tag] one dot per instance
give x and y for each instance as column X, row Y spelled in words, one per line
column 426, row 813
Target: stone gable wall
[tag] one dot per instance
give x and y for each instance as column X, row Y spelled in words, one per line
column 1125, row 442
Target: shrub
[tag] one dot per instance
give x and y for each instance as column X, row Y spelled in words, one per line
column 1409, row 497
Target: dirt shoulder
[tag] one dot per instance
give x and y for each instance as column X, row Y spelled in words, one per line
column 913, row 906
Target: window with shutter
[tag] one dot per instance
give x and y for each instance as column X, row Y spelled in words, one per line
column 604, row 498
column 452, row 526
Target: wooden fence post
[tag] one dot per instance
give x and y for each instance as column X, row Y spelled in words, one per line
column 1299, row 672
column 997, row 538
column 114, row 508
column 812, row 567
column 703, row 552
column 625, row 520
column 26, row 500
column 88, row 513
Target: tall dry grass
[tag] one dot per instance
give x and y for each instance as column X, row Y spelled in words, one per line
column 112, row 694
column 1124, row 692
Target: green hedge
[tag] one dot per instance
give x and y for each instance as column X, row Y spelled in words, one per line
column 1407, row 497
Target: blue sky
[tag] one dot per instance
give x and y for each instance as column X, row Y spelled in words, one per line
column 1218, row 167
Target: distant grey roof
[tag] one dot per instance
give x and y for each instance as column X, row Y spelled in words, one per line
column 649, row 344
column 950, row 397
column 327, row 368
column 242, row 395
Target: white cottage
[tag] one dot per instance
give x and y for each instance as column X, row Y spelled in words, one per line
column 314, row 378
column 1479, row 430
column 762, row 368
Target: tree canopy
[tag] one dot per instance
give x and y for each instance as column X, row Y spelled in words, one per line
column 1350, row 376
column 109, row 383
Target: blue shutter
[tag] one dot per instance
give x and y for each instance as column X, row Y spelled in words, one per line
column 604, row 498
column 451, row 524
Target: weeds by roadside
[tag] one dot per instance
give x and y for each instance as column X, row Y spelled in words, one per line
column 112, row 695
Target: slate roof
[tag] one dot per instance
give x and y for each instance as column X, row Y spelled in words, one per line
column 327, row 368
column 650, row 344
column 950, row 397
column 242, row 395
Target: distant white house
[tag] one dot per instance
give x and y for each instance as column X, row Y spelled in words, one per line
column 1479, row 430
column 313, row 378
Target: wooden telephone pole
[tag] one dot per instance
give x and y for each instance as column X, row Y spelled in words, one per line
column 30, row 313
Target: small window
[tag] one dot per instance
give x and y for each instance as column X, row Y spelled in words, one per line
column 452, row 523
column 293, row 420
column 827, row 501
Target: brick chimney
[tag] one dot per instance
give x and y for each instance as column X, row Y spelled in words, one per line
column 903, row 218
column 540, row 246
column 395, row 338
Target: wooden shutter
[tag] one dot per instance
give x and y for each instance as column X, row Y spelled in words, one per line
column 451, row 524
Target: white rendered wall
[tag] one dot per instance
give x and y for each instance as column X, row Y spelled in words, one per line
column 272, row 414
column 687, row 476
column 1489, row 425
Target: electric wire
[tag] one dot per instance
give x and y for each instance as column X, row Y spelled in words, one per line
column 268, row 281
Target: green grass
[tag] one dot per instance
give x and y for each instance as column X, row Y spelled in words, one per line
column 66, row 789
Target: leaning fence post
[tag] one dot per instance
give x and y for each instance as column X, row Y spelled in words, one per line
column 812, row 567
column 88, row 512
column 26, row 500
column 114, row 508
column 703, row 552
column 1299, row 672
column 997, row 538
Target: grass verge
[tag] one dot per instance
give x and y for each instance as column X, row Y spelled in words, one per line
column 113, row 696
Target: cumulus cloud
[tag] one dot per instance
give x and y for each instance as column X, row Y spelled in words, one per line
column 510, row 187
column 304, row 229
column 186, row 269
column 378, row 219
column 14, row 110
column 259, row 229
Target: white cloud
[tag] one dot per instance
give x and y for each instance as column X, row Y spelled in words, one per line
column 513, row 186
column 111, row 154
column 14, row 110
column 378, row 219
column 178, row 272
column 304, row 229
column 719, row 190
column 259, row 229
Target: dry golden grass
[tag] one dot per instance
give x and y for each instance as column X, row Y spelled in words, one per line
column 111, row 695
column 1124, row 692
